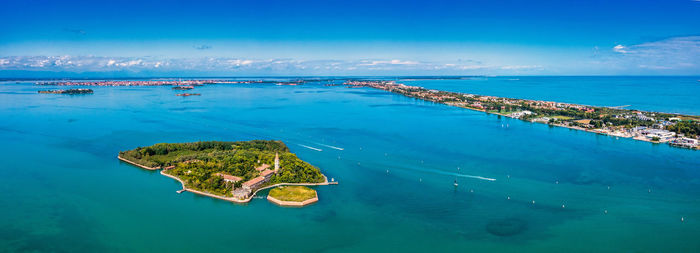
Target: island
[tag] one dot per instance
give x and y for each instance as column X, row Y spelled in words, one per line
column 657, row 127
column 69, row 91
column 292, row 196
column 232, row 171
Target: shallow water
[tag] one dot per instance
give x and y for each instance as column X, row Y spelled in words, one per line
column 63, row 190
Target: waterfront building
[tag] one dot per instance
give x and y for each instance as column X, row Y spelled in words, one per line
column 661, row 135
column 685, row 142
column 254, row 183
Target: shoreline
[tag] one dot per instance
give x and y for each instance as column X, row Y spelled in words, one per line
column 557, row 125
column 231, row 199
column 439, row 96
column 136, row 164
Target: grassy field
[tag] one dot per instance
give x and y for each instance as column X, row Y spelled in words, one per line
column 562, row 117
column 293, row 193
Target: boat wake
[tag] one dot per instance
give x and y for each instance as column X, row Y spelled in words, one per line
column 333, row 147
column 312, row 148
column 455, row 174
column 476, row 177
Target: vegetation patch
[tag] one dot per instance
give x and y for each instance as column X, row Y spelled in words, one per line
column 293, row 193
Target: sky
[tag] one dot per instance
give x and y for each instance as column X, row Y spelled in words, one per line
column 281, row 38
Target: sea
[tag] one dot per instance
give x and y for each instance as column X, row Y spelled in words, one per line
column 414, row 176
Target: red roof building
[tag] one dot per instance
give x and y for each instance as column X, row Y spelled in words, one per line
column 254, row 183
column 262, row 167
column 229, row 178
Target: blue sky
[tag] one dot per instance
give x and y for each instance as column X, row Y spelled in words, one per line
column 234, row 38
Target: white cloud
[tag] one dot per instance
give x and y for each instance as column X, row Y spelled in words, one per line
column 619, row 49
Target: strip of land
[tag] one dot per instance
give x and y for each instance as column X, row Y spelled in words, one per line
column 69, row 91
column 675, row 129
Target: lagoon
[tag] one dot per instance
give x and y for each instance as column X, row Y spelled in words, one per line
column 63, row 190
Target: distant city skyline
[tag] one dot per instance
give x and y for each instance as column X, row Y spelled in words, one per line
column 273, row 38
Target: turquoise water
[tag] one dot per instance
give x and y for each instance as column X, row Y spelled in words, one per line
column 63, row 190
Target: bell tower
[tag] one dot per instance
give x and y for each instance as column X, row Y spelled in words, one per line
column 277, row 162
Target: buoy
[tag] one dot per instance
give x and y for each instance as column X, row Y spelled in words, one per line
column 606, row 211
column 563, row 206
column 471, row 190
column 420, row 180
column 556, row 182
column 682, row 219
column 508, row 197
column 649, row 190
column 533, row 202
column 508, row 176
column 387, row 171
column 608, row 187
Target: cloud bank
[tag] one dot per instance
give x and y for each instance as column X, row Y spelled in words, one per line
column 239, row 66
column 671, row 56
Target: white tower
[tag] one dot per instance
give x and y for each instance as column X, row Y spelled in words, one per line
column 277, row 162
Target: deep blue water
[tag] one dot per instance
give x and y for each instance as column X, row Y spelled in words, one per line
column 63, row 190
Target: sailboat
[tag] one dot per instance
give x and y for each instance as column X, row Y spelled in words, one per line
column 456, row 184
